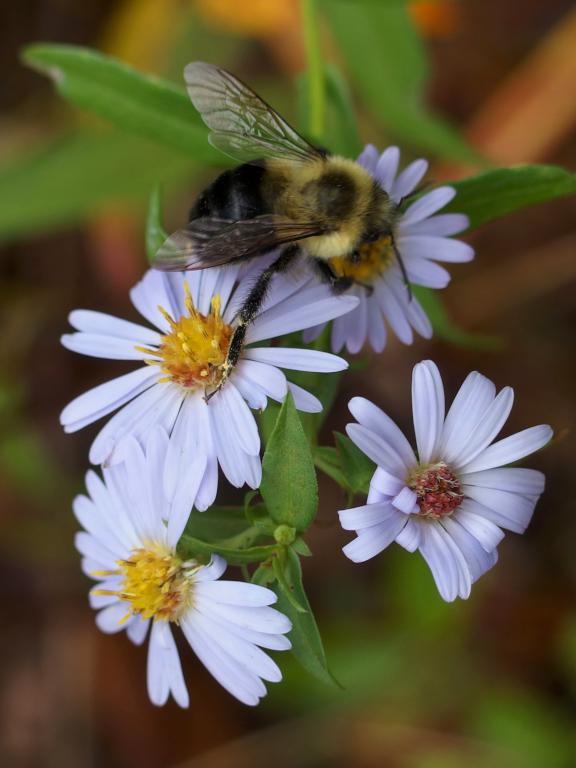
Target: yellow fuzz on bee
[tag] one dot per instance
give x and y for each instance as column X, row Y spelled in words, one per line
column 194, row 352
column 156, row 584
column 374, row 259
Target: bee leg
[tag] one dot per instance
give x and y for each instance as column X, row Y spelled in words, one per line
column 338, row 284
column 250, row 310
column 401, row 265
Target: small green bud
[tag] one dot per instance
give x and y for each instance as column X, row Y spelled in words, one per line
column 285, row 535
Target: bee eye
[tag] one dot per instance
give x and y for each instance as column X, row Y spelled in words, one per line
column 372, row 236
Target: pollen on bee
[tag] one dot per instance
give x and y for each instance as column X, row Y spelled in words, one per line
column 373, row 259
column 193, row 353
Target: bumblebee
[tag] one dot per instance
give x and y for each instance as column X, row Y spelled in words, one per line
column 286, row 194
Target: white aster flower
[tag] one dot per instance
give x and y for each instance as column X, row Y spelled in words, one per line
column 181, row 359
column 129, row 545
column 422, row 237
column 452, row 500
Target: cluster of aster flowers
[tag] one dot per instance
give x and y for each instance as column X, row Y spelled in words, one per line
column 162, row 450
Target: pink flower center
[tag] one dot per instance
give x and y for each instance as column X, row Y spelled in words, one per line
column 438, row 490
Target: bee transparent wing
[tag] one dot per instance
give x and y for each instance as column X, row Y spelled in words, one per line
column 215, row 242
column 242, row 124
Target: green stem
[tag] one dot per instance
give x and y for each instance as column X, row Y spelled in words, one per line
column 316, row 96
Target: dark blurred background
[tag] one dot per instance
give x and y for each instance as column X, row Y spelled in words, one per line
column 488, row 682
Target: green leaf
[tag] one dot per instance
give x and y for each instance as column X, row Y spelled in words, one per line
column 289, row 487
column 306, row 641
column 79, row 175
column 386, row 58
column 216, row 523
column 155, row 232
column 493, row 194
column 327, row 460
column 356, row 466
column 285, row 584
column 140, row 104
column 446, row 329
column 189, row 546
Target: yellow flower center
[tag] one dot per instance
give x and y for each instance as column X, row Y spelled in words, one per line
column 194, row 352
column 373, row 260
column 156, row 583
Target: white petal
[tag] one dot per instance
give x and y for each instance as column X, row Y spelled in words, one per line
column 419, row 319
column 438, row 248
column 508, row 510
column 485, row 531
column 357, row 327
column 372, row 417
column 374, row 540
column 427, row 408
column 445, row 561
column 260, row 618
column 376, row 325
column 112, row 619
column 95, row 549
column 443, row 225
column 100, row 323
column 385, row 483
column 387, row 167
column 528, row 482
column 233, row 677
column 297, row 359
column 236, row 593
column 107, row 347
column 358, row 518
column 410, row 536
column 268, row 379
column 477, row 558
column 466, row 412
column 368, row 158
column 304, row 401
column 425, row 272
column 215, row 568
column 406, row 501
column 103, row 399
column 491, row 424
column 409, row 179
column 382, row 453
column 510, row 449
column 394, row 310
column 209, row 486
column 164, row 673
column 428, row 204
column 153, row 291
column 136, row 629
column 241, row 419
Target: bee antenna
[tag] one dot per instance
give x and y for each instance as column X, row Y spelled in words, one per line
column 402, row 267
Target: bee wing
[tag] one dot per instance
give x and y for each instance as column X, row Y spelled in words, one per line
column 242, row 124
column 215, row 242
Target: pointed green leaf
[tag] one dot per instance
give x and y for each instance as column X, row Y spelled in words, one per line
column 386, row 58
column 289, row 487
column 216, row 523
column 138, row 103
column 356, row 466
column 327, row 460
column 189, row 546
column 306, row 641
column 493, row 194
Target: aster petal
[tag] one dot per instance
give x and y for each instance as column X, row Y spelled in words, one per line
column 268, row 379
column 263, row 639
column 245, row 686
column 251, row 392
column 406, row 501
column 387, row 168
column 427, row 408
column 153, row 291
column 477, row 558
column 368, row 158
column 236, row 593
column 366, row 516
column 311, row 334
column 528, row 482
column 102, row 346
column 241, row 419
column 370, row 416
column 419, row 319
column 105, row 398
column 385, row 483
column 260, row 618
column 100, row 323
column 96, row 550
column 376, row 325
column 209, row 485
column 409, row 179
column 96, row 524
column 425, row 272
column 357, row 327
column 303, row 400
column 339, row 333
column 394, row 310
column 158, row 405
column 446, row 562
column 494, row 418
column 137, row 629
column 164, row 673
column 428, row 204
column 485, row 531
column 443, row 225
column 438, row 248
column 467, row 411
column 382, row 453
column 375, row 539
column 508, row 510
column 314, row 304
column 510, row 449
column 410, row 537
column 112, row 619
column 213, row 571
column 297, row 359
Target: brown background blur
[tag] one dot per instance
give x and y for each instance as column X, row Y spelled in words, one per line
column 490, row 682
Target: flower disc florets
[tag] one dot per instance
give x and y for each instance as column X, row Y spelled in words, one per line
column 438, row 490
column 194, row 352
column 155, row 582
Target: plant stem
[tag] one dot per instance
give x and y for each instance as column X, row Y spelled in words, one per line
column 316, row 95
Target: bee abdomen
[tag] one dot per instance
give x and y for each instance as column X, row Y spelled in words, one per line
column 236, row 195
